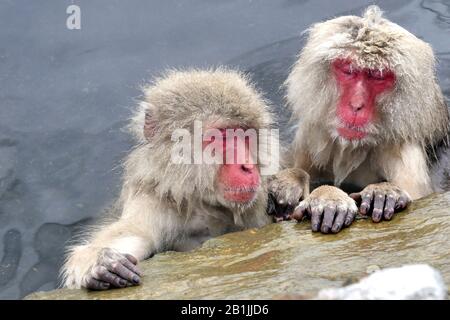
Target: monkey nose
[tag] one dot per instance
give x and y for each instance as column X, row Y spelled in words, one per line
column 248, row 167
column 356, row 105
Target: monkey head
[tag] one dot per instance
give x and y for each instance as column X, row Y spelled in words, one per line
column 365, row 80
column 197, row 130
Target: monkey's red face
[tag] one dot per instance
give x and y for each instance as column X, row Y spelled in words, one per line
column 239, row 182
column 238, row 178
column 359, row 89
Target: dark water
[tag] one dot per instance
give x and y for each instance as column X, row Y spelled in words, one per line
column 66, row 94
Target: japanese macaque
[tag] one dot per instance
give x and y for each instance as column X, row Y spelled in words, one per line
column 167, row 203
column 370, row 117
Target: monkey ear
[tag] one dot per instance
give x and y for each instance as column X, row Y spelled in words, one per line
column 149, row 125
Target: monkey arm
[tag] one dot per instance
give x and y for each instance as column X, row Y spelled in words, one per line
column 109, row 258
column 407, row 168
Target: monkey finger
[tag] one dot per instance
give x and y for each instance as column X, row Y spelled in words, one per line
column 94, row 284
column 378, row 206
column 350, row 217
column 402, row 203
column 366, row 203
column 316, row 217
column 339, row 221
column 299, row 212
column 356, row 196
column 131, row 258
column 123, row 272
column 389, row 207
column 105, row 275
column 132, row 267
column 328, row 217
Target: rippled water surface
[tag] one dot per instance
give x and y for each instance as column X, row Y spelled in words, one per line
column 65, row 96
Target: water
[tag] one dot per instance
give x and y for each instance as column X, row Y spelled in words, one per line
column 66, row 94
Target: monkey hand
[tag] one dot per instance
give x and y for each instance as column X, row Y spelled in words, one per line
column 286, row 189
column 382, row 200
column 329, row 208
column 112, row 270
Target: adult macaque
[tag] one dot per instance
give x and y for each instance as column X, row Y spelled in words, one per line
column 174, row 205
column 370, row 117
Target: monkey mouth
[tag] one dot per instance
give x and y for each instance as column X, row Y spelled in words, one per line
column 351, row 132
column 240, row 194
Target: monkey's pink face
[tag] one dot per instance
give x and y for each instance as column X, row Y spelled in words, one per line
column 238, row 179
column 358, row 89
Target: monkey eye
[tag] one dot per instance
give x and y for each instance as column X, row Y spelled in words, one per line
column 348, row 69
column 377, row 74
column 345, row 69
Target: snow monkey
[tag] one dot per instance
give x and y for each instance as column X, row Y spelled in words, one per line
column 174, row 205
column 370, row 118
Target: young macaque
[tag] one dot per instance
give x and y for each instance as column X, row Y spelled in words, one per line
column 371, row 118
column 171, row 198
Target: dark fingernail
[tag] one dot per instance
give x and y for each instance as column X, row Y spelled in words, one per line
column 376, row 215
column 136, row 280
column 336, row 228
column 325, row 229
column 389, row 215
column 105, row 285
column 363, row 209
column 122, row 282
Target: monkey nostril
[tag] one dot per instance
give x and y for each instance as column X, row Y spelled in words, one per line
column 356, row 106
column 247, row 167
